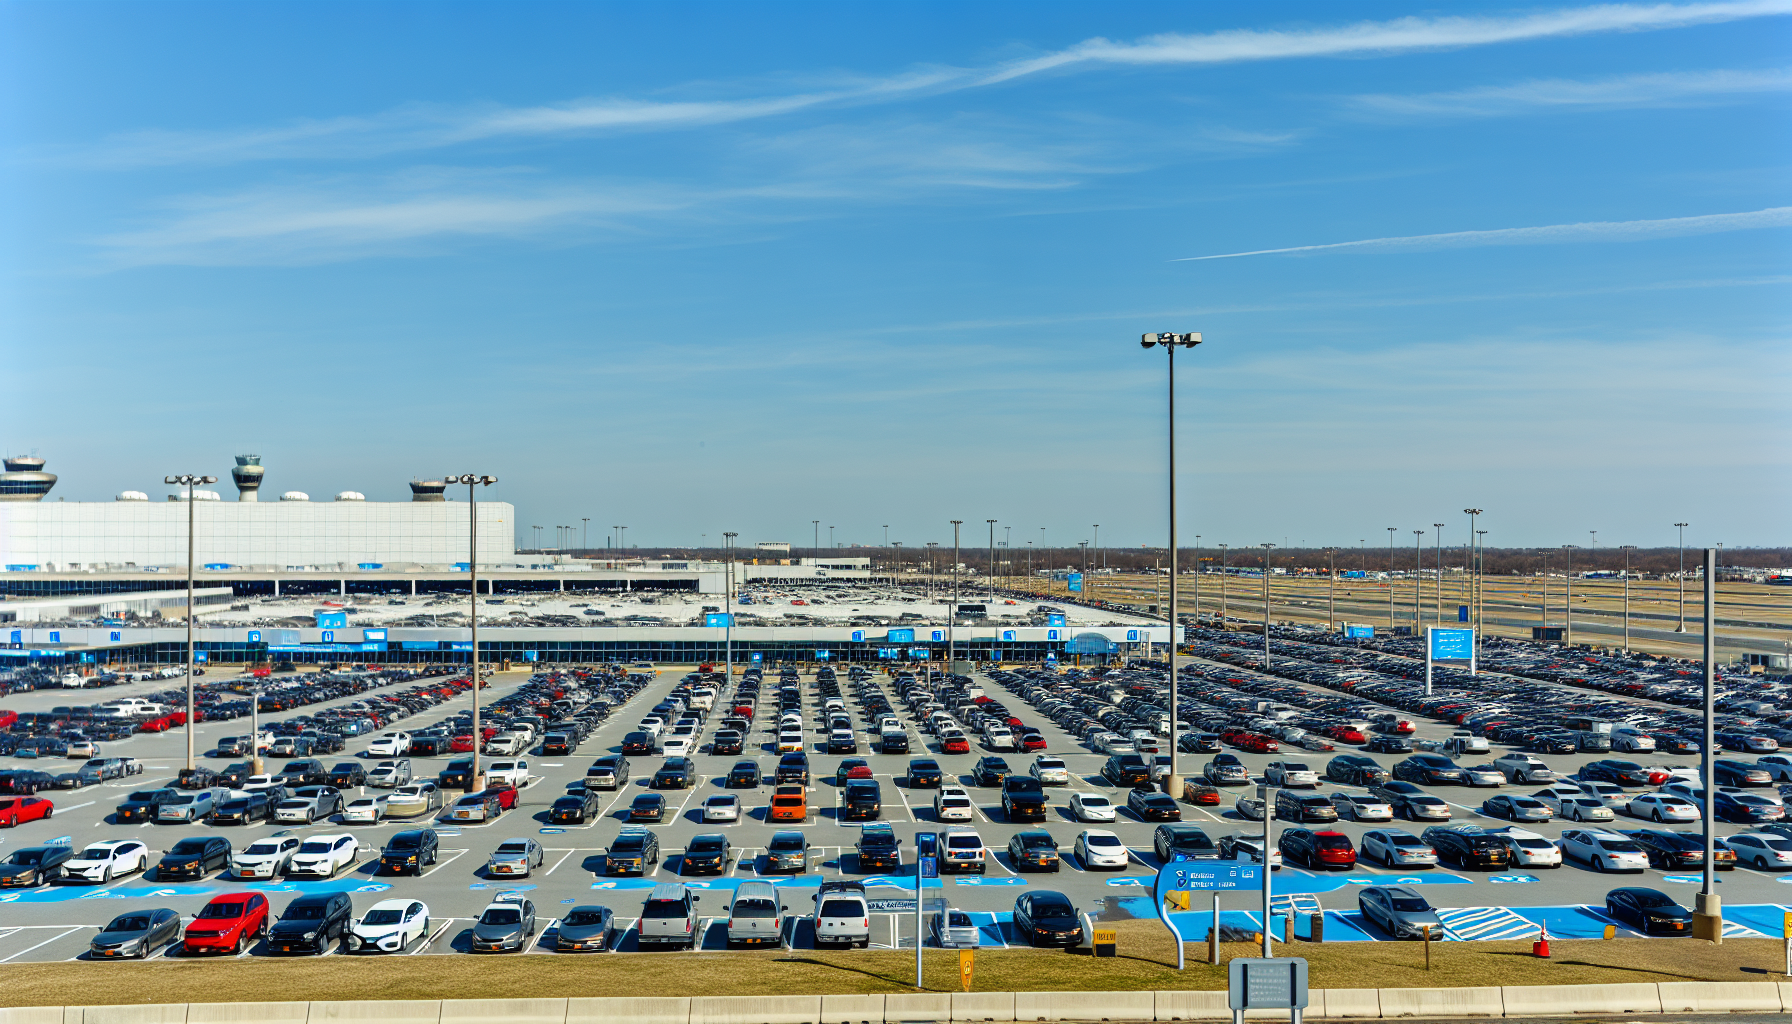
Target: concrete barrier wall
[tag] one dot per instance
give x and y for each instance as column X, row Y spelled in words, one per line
column 950, row 1007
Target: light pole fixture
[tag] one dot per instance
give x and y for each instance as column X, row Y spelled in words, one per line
column 1681, row 628
column 1170, row 343
column 1097, row 563
column 475, row 779
column 1627, row 548
column 952, row 612
column 992, row 562
column 623, row 543
column 1390, row 583
column 190, row 481
column 1266, row 549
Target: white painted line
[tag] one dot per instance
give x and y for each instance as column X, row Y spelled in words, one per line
column 561, row 861
column 46, row 942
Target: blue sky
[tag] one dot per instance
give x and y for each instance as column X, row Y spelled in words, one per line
column 705, row 267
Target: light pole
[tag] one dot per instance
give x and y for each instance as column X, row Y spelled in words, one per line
column 1222, row 582
column 1418, row 580
column 585, row 534
column 623, row 542
column 1197, row 579
column 1628, row 548
column 1437, row 585
column 475, row 781
column 1170, row 343
column 932, row 545
column 1266, row 548
column 952, row 612
column 728, row 602
column 992, row 561
column 1331, row 589
column 190, row 481
column 898, row 566
column 1681, row 628
column 1474, row 592
column 618, row 535
column 815, row 545
column 1097, row 563
column 1568, row 594
column 1480, row 582
column 1543, row 576
column 1390, row 584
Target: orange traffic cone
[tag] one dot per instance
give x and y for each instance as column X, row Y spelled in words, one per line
column 1540, row 948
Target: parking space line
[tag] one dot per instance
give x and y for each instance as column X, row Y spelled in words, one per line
column 40, row 945
column 561, row 861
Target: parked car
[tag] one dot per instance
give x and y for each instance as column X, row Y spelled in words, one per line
column 193, row 858
column 1400, row 911
column 227, row 924
column 311, row 922
column 1047, row 918
column 1317, row 850
column 264, row 858
column 135, row 934
column 390, row 926
column 633, row 852
column 410, row 851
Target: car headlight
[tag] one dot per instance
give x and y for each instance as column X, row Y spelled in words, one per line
column 309, row 936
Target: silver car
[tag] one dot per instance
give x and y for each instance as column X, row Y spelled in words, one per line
column 1357, row 807
column 515, row 858
column 1401, row 911
column 1397, row 848
column 953, row 929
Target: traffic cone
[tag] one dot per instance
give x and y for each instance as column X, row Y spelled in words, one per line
column 1540, row 948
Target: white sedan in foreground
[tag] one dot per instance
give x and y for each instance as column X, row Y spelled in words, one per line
column 389, row 926
column 1099, row 848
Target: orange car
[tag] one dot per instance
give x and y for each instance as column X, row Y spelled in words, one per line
column 789, row 803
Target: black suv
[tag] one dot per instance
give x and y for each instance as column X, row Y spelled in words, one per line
column 310, row 923
column 1147, row 805
column 863, row 801
column 1126, row 769
column 1355, row 770
column 744, row 775
column 879, row 849
column 676, row 773
column 193, row 858
column 632, row 853
column 990, row 771
column 306, row 771
column 458, row 774
column 1187, row 841
column 793, row 769
column 574, row 808
column 348, row 773
column 1474, row 849
column 142, row 805
column 1023, row 798
column 924, row 772
column 408, row 852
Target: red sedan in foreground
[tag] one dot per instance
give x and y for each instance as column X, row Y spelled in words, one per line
column 15, row 809
column 228, row 924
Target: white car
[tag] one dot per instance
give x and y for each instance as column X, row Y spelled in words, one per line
column 1633, row 740
column 653, row 725
column 503, row 744
column 257, row 783
column 1484, row 775
column 102, row 862
column 1291, row 775
column 952, row 803
column 722, row 807
column 962, row 849
column 1049, row 771
column 1397, row 848
column 389, row 926
column 366, row 810
column 509, row 773
column 1091, row 807
column 1606, row 793
column 1777, row 765
column 1099, row 848
column 1360, row 807
column 390, row 774
column 1661, row 807
column 790, row 742
column 1528, row 849
column 323, row 856
column 264, row 858
column 1605, row 851
column 677, row 746
column 1524, row 769
column 414, row 799
column 1764, row 851
column 390, row 744
column 999, row 737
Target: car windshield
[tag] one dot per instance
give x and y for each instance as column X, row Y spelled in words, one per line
column 1053, row 911
column 26, row 857
column 223, row 910
column 629, row 844
column 1408, row 904
column 142, row 798
column 1191, row 841
column 392, row 916
column 1050, row 763
column 786, row 844
column 664, row 909
column 1332, row 842
column 405, row 841
column 1096, row 801
column 262, row 849
column 501, row 915
column 1645, row 898
column 187, row 847
column 304, row 912
column 583, row 918
column 315, row 847
column 1104, row 841
column 708, row 844
column 1629, row 847
column 963, row 842
column 129, row 924
column 1772, row 844
column 94, row 853
column 1036, row 840
column 512, row 849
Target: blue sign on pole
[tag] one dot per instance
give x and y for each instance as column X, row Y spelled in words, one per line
column 1207, row 875
column 1132, row 636
column 116, row 637
column 332, row 620
column 1055, row 619
column 1462, row 613
column 757, row 656
column 1075, row 580
column 1452, row 644
column 723, row 619
column 1359, row 632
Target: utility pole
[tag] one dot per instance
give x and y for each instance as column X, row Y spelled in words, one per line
column 1418, row 581
column 1197, row 593
column 1682, row 627
column 992, row 560
column 190, row 482
column 585, row 534
column 1390, row 584
column 1437, row 588
column 1481, row 583
column 1708, row 918
column 1331, row 589
column 1474, row 592
column 1628, row 548
column 476, row 778
column 1568, row 595
column 952, row 616
column 1266, row 549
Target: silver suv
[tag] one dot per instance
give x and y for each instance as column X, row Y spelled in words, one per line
column 669, row 918
column 842, row 915
column 755, row 918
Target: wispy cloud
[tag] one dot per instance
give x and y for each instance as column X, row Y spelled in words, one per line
column 1672, row 89
column 1549, row 234
column 424, row 127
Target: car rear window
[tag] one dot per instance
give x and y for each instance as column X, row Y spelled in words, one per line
column 662, row 909
column 1332, row 842
column 755, row 909
column 842, row 908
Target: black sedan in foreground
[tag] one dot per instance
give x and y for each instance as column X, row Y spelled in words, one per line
column 1649, row 911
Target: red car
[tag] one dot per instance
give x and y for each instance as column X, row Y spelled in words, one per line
column 14, row 809
column 462, row 744
column 1032, row 741
column 1345, row 734
column 228, row 924
column 507, row 795
column 955, row 745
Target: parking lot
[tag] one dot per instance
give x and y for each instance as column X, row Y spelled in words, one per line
column 55, row 922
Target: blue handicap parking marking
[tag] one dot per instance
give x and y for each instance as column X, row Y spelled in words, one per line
column 552, row 831
column 1130, row 880
column 622, row 883
column 66, row 894
column 568, row 902
column 1472, row 923
column 899, row 882
column 1573, row 922
column 1768, row 919
column 979, row 880
column 1513, row 879
column 1346, row 926
column 993, row 929
column 1687, row 879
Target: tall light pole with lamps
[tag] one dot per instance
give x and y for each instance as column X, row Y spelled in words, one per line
column 1197, row 579
column 476, row 780
column 1418, row 581
column 1331, row 589
column 1222, row 585
column 1474, row 593
column 1437, row 585
column 1170, row 343
column 728, row 602
column 1480, row 582
column 1391, row 530
column 190, row 481
column 1628, row 548
column 1681, row 628
column 952, row 612
column 1266, row 548
column 992, row 560
column 585, row 534
column 1568, row 594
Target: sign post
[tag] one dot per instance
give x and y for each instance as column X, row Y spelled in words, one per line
column 927, row 865
column 1215, row 876
column 1448, row 645
column 1257, row 984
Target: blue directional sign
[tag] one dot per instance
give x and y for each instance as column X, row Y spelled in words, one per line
column 332, row 620
column 858, row 636
column 938, row 635
column 1007, row 634
column 1051, row 634
column 373, row 634
column 1132, row 636
column 55, row 636
column 1055, row 619
column 1222, row 875
column 718, row 619
column 329, row 635
column 117, row 636
column 1462, row 613
column 1452, row 644
column 900, row 636
column 254, row 636
column 1359, row 632
column 1075, row 580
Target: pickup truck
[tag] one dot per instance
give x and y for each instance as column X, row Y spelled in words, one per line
column 510, row 773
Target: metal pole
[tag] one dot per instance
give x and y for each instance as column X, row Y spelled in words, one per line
column 1266, row 548
column 473, row 606
column 1437, row 588
column 1708, row 901
column 1331, row 589
column 1474, row 570
column 192, row 499
column 992, row 560
column 920, row 933
column 1197, row 606
column 1418, row 580
column 728, row 603
column 1391, row 579
column 1222, row 584
column 1628, row 548
column 1568, row 594
column 952, row 612
column 1269, row 804
column 1173, row 781
column 1682, row 627
column 1481, row 582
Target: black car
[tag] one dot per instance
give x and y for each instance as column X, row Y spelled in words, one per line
column 1679, row 851
column 1172, row 842
column 676, row 773
column 1649, row 911
column 1551, row 743
column 552, row 743
column 458, row 774
column 34, row 866
column 135, row 934
column 607, row 772
column 638, row 742
column 193, row 858
column 348, row 773
column 1623, row 773
column 633, row 852
column 878, row 848
column 1047, row 918
column 1740, row 774
column 1355, row 770
column 585, row 929
column 648, row 807
column 1474, row 849
column 924, row 772
column 793, row 769
column 1410, row 802
column 306, row 771
column 1435, row 769
column 1127, row 769
column 1147, row 805
column 1034, row 850
column 241, row 810
column 1388, row 745
column 726, row 742
column 575, row 808
column 232, row 775
column 990, row 771
column 310, row 923
column 705, row 853
column 199, row 777
column 744, row 775
column 862, row 800
column 1199, row 743
column 142, row 805
column 408, row 852
column 1023, row 798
